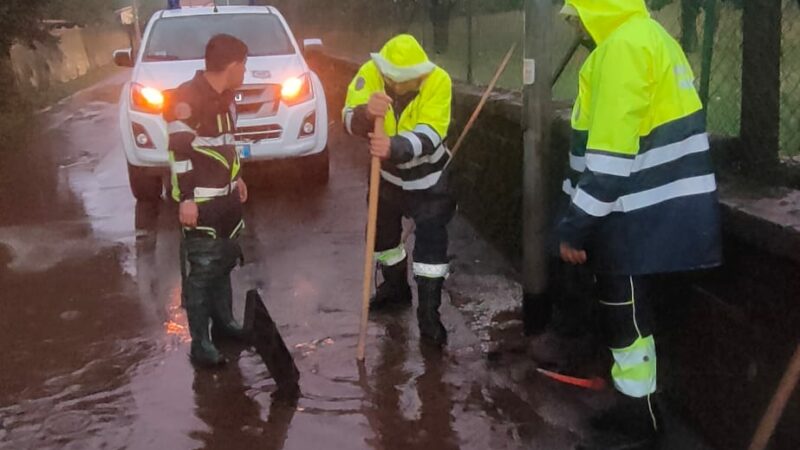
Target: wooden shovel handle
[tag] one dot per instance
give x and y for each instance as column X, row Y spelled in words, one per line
column 369, row 253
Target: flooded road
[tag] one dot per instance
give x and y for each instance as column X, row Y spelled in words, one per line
column 95, row 344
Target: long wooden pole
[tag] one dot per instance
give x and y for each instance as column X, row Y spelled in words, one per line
column 778, row 404
column 484, row 98
column 369, row 253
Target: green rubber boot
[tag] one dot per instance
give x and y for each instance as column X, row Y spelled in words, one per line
column 224, row 325
column 203, row 352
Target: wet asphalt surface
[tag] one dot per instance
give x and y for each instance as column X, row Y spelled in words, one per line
column 95, row 343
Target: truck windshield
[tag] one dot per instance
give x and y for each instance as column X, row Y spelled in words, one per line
column 185, row 38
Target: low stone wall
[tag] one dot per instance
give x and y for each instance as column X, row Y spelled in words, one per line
column 74, row 53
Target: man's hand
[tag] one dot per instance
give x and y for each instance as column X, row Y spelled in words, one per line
column 242, row 187
column 571, row 255
column 378, row 104
column 380, row 145
column 188, row 213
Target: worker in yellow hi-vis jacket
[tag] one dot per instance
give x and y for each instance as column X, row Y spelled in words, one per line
column 414, row 96
column 642, row 194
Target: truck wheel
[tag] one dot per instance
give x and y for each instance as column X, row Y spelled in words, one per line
column 319, row 167
column 145, row 186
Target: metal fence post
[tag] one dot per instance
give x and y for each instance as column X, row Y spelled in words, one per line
column 709, row 33
column 761, row 85
column 469, row 42
column 537, row 117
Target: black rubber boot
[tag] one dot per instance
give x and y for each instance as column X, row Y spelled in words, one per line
column 633, row 423
column 205, row 270
column 554, row 350
column 394, row 293
column 203, row 352
column 431, row 329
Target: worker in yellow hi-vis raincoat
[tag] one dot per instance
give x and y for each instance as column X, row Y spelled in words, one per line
column 414, row 96
column 642, row 194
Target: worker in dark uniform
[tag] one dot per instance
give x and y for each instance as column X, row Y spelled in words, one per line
column 206, row 181
column 414, row 96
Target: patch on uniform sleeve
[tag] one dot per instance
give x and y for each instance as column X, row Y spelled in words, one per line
column 183, row 111
column 360, row 83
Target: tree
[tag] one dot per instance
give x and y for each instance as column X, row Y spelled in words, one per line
column 20, row 21
column 81, row 12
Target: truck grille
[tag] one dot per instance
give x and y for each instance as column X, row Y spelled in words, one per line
column 259, row 133
column 258, row 100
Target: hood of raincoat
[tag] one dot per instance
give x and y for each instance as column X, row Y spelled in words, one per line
column 403, row 59
column 603, row 17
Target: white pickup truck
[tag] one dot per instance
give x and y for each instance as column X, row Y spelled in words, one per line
column 281, row 107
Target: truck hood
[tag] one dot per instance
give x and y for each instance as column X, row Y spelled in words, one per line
column 166, row 75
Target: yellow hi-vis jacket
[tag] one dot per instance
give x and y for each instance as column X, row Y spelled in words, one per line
column 417, row 122
column 643, row 196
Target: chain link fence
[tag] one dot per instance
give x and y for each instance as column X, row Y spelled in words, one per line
column 710, row 33
column 470, row 37
column 790, row 79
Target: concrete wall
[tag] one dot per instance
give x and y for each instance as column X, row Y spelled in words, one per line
column 73, row 54
column 488, row 172
column 724, row 335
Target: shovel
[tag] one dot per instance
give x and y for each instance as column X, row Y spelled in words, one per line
column 264, row 336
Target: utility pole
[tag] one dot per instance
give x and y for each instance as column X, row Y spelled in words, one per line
column 137, row 28
column 537, row 119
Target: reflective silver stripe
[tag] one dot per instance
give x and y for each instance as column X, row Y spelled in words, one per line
column 180, row 167
column 416, row 144
column 212, row 232
column 238, row 228
column 392, row 256
column 348, row 120
column 633, row 362
column 201, row 192
column 591, row 205
column 431, row 270
column 205, row 141
column 615, row 165
column 668, row 153
column 631, row 202
column 427, row 159
column 415, row 185
column 577, row 163
column 608, row 164
column 567, row 187
column 178, row 126
column 427, row 130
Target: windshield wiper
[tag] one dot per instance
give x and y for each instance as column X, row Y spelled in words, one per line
column 161, row 58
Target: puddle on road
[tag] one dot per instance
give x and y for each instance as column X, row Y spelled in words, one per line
column 97, row 345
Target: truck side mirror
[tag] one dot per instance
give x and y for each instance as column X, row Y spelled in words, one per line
column 312, row 46
column 123, row 58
